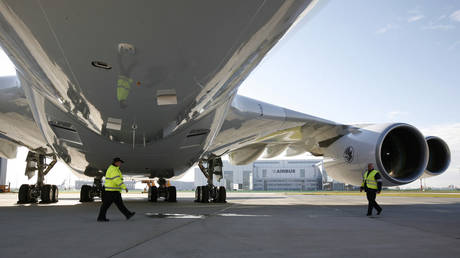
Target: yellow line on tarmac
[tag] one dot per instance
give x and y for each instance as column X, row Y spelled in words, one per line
column 391, row 194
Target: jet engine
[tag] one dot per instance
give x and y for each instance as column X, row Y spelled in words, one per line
column 399, row 151
column 439, row 156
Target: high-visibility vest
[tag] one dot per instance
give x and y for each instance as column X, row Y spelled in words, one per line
column 369, row 179
column 123, row 87
column 114, row 179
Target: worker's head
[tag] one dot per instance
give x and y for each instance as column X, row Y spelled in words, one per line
column 117, row 162
column 370, row 166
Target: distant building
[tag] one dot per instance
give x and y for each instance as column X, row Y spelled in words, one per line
column 288, row 175
column 335, row 186
column 270, row 175
column 183, row 186
column 235, row 177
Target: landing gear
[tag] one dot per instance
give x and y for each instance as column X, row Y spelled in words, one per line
column 206, row 194
column 36, row 162
column 210, row 192
column 85, row 194
column 25, row 195
column 153, row 193
column 55, row 193
column 88, row 192
column 46, row 194
column 169, row 193
column 222, row 194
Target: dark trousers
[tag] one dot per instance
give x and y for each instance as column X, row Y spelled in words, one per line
column 372, row 203
column 108, row 199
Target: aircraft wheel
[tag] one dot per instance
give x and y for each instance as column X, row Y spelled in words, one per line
column 24, row 194
column 222, row 195
column 153, row 194
column 204, row 194
column 55, row 193
column 171, row 197
column 85, row 194
column 198, row 194
column 46, row 194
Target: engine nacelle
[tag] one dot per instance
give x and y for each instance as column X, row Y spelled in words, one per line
column 439, row 157
column 399, row 151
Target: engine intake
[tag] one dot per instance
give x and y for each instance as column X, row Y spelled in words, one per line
column 399, row 151
column 402, row 154
column 439, row 158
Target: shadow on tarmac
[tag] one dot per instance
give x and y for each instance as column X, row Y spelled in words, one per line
column 255, row 226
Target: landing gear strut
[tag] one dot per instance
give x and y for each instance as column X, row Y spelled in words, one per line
column 88, row 192
column 209, row 192
column 164, row 190
column 36, row 161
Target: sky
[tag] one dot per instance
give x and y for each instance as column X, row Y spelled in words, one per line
column 368, row 61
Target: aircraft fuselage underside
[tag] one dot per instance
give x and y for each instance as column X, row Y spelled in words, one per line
column 149, row 81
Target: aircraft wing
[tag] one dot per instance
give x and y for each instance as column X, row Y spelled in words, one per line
column 252, row 127
column 17, row 125
column 400, row 151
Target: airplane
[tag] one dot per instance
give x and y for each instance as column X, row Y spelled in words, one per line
column 155, row 82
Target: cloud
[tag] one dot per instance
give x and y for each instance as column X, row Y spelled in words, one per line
column 415, row 18
column 442, row 24
column 455, row 16
column 450, row 133
column 443, row 27
column 386, row 28
column 415, row 15
column 395, row 114
column 454, row 45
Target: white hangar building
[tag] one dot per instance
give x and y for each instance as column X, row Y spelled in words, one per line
column 270, row 175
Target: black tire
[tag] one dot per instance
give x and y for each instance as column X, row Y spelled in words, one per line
column 222, row 195
column 46, row 194
column 171, row 197
column 204, row 194
column 24, row 194
column 55, row 193
column 85, row 193
column 198, row 194
column 153, row 194
column 213, row 193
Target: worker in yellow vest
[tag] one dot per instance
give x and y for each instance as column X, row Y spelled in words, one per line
column 112, row 194
column 372, row 184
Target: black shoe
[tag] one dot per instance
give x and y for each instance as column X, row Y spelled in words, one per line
column 103, row 220
column 369, row 214
column 130, row 215
column 378, row 212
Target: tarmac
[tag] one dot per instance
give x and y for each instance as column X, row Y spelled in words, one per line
column 248, row 225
